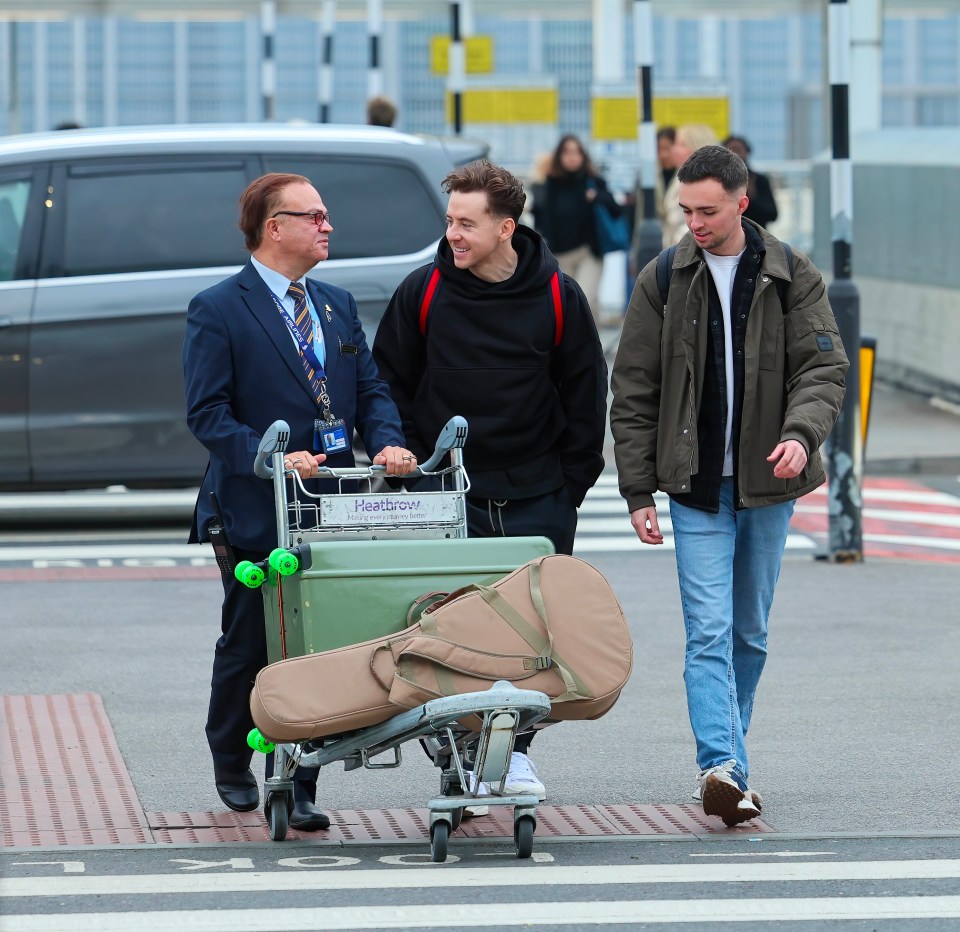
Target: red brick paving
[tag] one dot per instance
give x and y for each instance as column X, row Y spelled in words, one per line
column 63, row 782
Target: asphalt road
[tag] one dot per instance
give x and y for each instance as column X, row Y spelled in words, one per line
column 877, row 884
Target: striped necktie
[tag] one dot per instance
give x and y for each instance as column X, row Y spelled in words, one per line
column 301, row 314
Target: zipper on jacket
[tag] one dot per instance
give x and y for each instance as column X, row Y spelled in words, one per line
column 693, row 388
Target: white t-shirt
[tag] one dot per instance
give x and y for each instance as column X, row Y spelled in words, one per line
column 723, row 269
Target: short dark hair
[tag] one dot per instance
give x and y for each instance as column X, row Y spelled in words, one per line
column 715, row 162
column 667, row 132
column 505, row 196
column 381, row 111
column 263, row 197
column 743, row 142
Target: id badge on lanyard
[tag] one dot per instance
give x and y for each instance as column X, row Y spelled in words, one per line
column 330, row 435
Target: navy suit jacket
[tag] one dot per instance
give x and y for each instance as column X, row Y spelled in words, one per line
column 242, row 372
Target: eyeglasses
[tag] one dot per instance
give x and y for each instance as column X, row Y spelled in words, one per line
column 319, row 217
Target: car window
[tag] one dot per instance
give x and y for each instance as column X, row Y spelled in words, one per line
column 379, row 208
column 13, row 208
column 152, row 215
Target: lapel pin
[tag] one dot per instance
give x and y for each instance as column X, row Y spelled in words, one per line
column 326, row 307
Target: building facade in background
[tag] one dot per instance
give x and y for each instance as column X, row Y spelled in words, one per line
column 116, row 71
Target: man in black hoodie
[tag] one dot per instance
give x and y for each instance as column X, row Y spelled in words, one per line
column 492, row 331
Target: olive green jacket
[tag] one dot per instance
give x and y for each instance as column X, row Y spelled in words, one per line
column 794, row 371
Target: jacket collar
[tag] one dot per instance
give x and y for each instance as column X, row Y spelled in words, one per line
column 774, row 260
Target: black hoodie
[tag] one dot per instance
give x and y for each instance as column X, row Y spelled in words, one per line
column 536, row 413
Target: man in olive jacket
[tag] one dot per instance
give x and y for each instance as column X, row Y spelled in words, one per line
column 723, row 392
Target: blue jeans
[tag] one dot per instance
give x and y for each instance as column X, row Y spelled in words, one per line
column 728, row 564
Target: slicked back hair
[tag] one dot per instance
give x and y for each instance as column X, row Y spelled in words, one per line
column 715, row 162
column 262, row 199
column 505, row 196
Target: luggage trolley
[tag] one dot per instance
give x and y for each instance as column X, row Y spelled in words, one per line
column 359, row 564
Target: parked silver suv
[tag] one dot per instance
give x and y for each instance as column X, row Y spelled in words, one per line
column 106, row 235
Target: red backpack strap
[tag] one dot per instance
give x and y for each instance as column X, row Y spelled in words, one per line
column 432, row 282
column 556, row 297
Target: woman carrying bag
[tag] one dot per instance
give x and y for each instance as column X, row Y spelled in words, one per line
column 565, row 215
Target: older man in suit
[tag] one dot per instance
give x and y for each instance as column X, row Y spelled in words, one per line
column 265, row 344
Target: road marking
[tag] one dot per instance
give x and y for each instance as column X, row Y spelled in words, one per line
column 53, row 554
column 620, row 525
column 69, row 867
column 92, row 501
column 766, row 854
column 432, row 916
column 441, row 876
column 942, row 519
column 930, row 543
column 906, row 496
column 631, row 543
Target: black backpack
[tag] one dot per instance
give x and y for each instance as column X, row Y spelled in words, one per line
column 665, row 273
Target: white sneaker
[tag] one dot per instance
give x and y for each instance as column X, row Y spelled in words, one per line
column 726, row 795
column 479, row 789
column 697, row 793
column 522, row 778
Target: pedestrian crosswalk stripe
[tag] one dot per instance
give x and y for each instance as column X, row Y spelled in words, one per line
column 936, row 543
column 935, row 519
column 435, row 877
column 543, row 914
column 906, row 496
column 630, row 543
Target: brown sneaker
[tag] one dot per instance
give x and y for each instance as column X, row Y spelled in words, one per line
column 723, row 796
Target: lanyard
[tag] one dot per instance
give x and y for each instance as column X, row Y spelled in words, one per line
column 309, row 354
column 305, row 348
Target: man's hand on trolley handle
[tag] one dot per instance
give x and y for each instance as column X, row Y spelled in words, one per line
column 397, row 460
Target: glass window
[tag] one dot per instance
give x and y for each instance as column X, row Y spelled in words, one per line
column 152, row 215
column 13, row 208
column 379, row 208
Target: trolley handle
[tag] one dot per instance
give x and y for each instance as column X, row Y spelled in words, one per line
column 277, row 436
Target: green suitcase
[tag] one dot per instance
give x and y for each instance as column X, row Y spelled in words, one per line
column 356, row 590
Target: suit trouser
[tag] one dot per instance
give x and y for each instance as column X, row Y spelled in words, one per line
column 552, row 515
column 241, row 653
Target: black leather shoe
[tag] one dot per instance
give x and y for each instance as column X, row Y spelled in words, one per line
column 306, row 817
column 238, row 791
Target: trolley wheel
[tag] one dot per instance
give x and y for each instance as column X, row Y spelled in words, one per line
column 523, row 830
column 284, row 562
column 249, row 574
column 439, row 834
column 258, row 742
column 278, row 816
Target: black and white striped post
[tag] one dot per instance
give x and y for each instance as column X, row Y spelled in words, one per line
column 845, row 449
column 268, row 67
column 328, row 23
column 375, row 34
column 649, row 237
column 456, row 66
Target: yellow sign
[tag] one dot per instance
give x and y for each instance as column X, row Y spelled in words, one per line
column 675, row 111
column 479, row 52
column 508, row 105
column 616, row 118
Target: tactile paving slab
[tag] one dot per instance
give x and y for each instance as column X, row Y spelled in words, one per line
column 63, row 782
column 674, row 820
column 406, row 825
column 62, row 777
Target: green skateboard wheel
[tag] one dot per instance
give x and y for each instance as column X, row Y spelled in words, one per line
column 284, row 562
column 258, row 742
column 249, row 574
